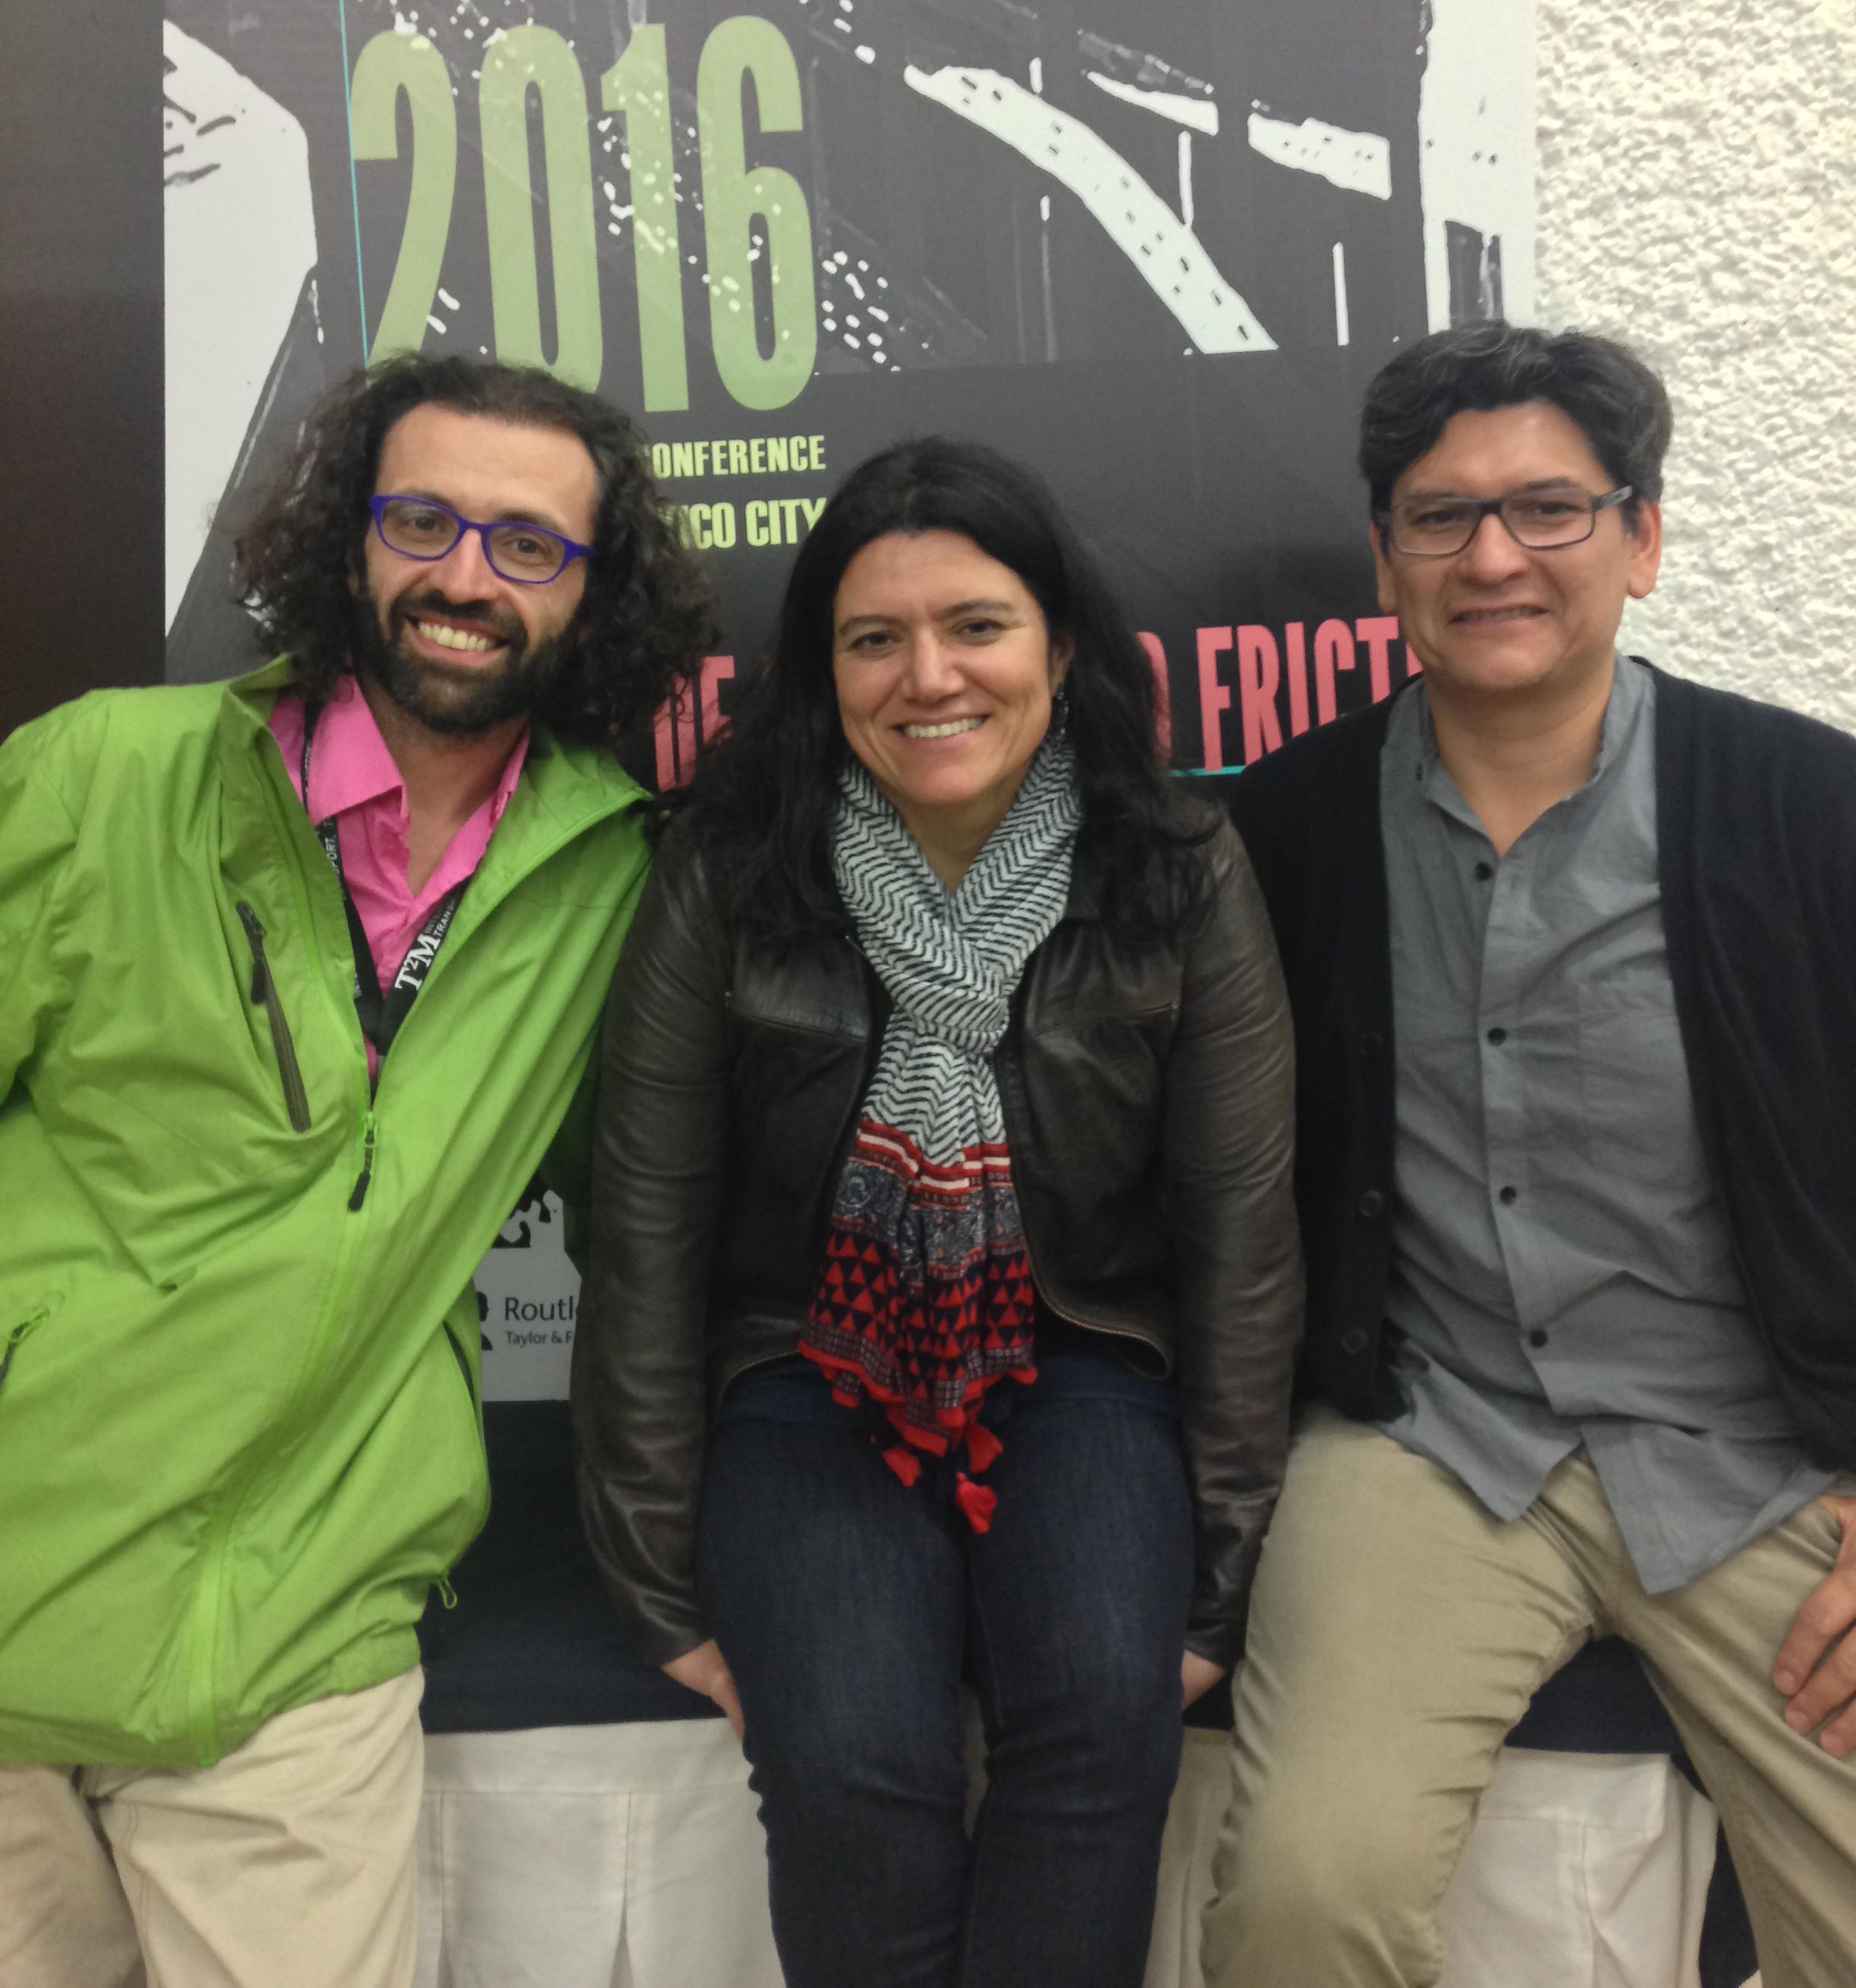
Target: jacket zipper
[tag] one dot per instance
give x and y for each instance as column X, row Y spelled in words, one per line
column 872, row 1050
column 204, row 1705
column 204, row 1632
column 264, row 988
column 368, row 1134
column 13, row 1339
column 1142, row 1339
column 1087, row 1324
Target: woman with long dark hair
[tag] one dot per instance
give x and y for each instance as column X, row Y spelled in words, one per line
column 945, row 1285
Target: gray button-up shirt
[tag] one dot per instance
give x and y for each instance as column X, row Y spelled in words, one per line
column 1562, row 1272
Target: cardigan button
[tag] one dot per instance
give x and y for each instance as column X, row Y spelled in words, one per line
column 1355, row 1339
column 1372, row 1043
column 1372, row 1202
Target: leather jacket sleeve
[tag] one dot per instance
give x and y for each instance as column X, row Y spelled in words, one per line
column 658, row 1158
column 1229, row 1156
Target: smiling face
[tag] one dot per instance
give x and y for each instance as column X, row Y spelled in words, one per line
column 1497, row 620
column 944, row 670
column 452, row 643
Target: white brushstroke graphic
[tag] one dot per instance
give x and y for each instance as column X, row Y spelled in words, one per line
column 239, row 238
column 1355, row 161
column 1475, row 153
column 1192, row 110
column 1169, row 259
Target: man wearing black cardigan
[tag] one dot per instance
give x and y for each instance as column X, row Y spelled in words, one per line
column 1571, row 945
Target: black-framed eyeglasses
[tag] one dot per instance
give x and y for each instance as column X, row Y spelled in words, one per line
column 1542, row 520
column 421, row 528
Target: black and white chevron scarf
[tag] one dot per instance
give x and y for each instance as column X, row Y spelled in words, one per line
column 925, row 1296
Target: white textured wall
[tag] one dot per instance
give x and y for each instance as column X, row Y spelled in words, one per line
column 1697, row 195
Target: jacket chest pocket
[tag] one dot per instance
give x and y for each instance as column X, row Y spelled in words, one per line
column 1094, row 1086
column 1081, row 978
column 818, row 992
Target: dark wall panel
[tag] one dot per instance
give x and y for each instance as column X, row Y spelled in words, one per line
column 80, row 331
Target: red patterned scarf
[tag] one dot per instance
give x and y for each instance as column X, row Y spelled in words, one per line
column 925, row 1297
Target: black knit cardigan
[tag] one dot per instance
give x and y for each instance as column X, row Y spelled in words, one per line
column 1755, row 811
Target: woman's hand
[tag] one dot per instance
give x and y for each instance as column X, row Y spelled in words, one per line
column 702, row 1670
column 1197, row 1676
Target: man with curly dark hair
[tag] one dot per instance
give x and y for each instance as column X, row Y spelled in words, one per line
column 299, row 976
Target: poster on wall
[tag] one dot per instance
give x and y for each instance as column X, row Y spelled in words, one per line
column 1155, row 249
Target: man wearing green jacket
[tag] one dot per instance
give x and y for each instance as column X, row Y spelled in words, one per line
column 299, row 976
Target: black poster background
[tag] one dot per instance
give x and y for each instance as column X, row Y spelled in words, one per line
column 1217, row 486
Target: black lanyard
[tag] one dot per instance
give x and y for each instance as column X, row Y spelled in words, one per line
column 381, row 1013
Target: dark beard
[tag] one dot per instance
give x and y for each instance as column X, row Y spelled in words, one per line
column 457, row 700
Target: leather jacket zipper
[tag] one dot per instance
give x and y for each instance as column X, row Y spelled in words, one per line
column 1141, row 1339
column 264, row 988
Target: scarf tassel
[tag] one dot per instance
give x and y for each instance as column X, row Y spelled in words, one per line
column 982, row 1446
column 977, row 1502
column 904, row 1462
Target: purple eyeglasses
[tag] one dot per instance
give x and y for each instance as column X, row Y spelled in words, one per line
column 421, row 528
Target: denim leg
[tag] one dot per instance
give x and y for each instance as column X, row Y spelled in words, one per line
column 839, row 1599
column 1080, row 1593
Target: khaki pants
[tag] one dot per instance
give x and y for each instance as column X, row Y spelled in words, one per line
column 1398, row 1632
column 287, row 1864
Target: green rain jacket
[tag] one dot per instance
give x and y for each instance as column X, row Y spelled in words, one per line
column 239, row 1429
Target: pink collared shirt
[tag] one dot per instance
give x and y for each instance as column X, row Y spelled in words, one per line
column 353, row 777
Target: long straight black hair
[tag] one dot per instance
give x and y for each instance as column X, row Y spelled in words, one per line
column 760, row 806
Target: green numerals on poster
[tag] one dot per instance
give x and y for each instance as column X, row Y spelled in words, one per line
column 536, row 58
column 390, row 63
column 735, row 196
column 637, row 86
column 748, row 211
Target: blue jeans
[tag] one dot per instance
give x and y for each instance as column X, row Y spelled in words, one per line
column 848, row 1607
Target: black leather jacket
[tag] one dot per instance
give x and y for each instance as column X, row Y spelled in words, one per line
column 1148, row 1097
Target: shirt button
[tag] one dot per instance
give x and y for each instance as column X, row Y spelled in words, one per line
column 1498, row 1037
column 1536, row 1338
column 1372, row 1202
column 1354, row 1339
column 1509, row 1195
column 1484, row 871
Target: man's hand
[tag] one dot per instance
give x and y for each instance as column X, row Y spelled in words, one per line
column 703, row 1670
column 1197, row 1676
column 1827, row 1689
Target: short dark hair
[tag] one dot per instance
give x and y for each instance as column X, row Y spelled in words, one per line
column 1619, row 405
column 647, row 614
column 761, row 803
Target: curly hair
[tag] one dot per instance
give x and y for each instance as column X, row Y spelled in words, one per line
column 761, row 803
column 647, row 613
column 1619, row 404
